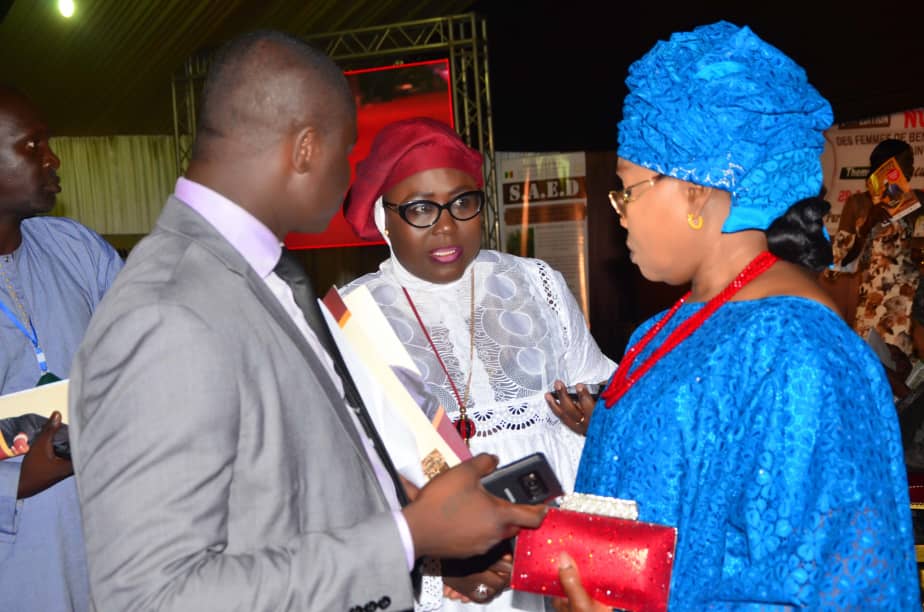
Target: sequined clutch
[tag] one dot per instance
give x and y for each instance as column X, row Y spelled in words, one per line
column 623, row 563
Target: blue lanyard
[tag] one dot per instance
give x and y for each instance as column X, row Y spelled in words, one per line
column 33, row 337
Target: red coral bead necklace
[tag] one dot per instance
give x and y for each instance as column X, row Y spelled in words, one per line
column 623, row 381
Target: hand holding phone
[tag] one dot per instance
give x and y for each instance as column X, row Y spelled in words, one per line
column 455, row 497
column 574, row 408
column 594, row 389
column 529, row 480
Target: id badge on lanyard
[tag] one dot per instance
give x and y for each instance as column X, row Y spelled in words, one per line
column 46, row 376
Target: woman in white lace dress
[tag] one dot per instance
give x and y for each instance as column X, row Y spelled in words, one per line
column 491, row 333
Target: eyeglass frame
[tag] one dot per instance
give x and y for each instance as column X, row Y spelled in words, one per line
column 401, row 209
column 621, row 198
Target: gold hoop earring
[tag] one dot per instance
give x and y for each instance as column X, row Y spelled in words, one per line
column 695, row 223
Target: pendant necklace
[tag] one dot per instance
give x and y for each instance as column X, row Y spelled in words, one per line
column 464, row 425
column 623, row 381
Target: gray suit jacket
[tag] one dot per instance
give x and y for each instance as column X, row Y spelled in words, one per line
column 217, row 467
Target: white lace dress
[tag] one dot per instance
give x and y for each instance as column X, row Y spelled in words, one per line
column 529, row 331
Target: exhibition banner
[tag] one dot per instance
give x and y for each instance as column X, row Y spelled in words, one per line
column 846, row 156
column 544, row 212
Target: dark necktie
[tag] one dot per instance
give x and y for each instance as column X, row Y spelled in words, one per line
column 290, row 270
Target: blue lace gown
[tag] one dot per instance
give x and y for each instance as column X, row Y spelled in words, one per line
column 769, row 439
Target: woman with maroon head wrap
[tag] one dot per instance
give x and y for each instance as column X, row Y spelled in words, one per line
column 491, row 333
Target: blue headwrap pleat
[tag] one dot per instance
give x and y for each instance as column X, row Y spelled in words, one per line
column 720, row 107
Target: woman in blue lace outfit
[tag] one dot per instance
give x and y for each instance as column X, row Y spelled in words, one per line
column 750, row 417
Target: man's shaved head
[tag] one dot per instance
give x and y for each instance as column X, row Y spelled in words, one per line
column 262, row 85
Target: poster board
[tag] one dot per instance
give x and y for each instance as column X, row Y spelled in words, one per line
column 544, row 213
column 846, row 156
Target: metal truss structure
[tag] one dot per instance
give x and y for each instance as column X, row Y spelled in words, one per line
column 460, row 38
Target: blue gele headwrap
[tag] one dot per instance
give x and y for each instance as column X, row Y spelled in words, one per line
column 720, row 107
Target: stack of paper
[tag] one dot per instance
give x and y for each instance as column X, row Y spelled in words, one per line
column 417, row 432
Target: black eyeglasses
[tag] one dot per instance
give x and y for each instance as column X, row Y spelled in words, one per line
column 424, row 213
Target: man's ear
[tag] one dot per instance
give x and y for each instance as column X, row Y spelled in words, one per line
column 305, row 146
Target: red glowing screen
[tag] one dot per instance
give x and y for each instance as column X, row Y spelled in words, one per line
column 384, row 95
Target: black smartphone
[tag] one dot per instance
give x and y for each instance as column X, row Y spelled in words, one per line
column 595, row 389
column 529, row 480
column 61, row 443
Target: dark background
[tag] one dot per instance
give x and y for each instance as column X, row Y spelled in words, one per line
column 557, row 67
column 556, row 72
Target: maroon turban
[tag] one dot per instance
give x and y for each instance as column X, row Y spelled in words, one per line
column 402, row 149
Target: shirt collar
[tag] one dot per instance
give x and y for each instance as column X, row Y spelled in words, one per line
column 251, row 238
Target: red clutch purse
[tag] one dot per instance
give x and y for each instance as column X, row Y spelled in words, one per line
column 623, row 563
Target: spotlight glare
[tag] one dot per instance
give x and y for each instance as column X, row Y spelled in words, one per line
column 66, row 8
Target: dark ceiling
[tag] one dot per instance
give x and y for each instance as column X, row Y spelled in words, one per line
column 557, row 68
column 108, row 69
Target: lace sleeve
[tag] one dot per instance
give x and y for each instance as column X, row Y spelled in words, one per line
column 583, row 360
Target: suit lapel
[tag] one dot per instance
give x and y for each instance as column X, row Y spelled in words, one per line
column 179, row 218
column 279, row 315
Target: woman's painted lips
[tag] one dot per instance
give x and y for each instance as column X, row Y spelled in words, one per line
column 446, row 255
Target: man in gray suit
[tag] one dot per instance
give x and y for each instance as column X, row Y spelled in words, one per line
column 218, row 464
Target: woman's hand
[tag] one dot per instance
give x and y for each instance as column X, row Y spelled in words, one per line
column 480, row 587
column 451, row 593
column 577, row 598
column 574, row 414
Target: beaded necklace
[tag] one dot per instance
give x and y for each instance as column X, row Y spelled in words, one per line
column 464, row 425
column 623, row 381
